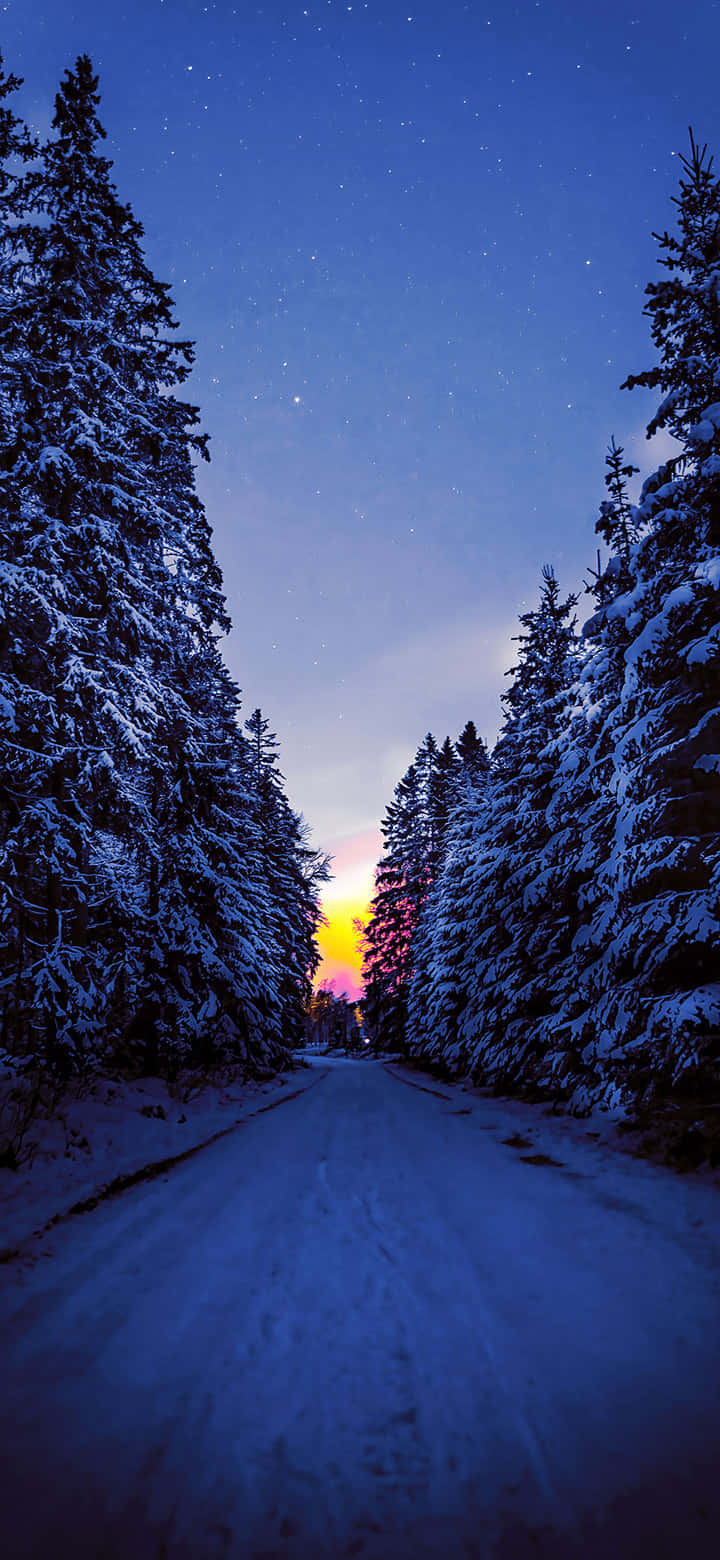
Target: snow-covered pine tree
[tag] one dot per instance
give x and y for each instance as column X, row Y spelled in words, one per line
column 472, row 752
column 16, row 148
column 414, row 831
column 387, row 931
column 56, row 974
column 658, row 1020
column 401, row 882
column 437, row 993
column 578, row 855
column 292, row 873
column 617, row 525
column 134, row 906
column 106, row 577
column 515, row 922
column 441, row 792
column 592, row 877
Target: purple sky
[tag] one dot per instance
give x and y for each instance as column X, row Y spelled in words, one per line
column 412, row 243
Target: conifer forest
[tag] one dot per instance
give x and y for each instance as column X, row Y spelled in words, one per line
column 355, row 1207
column 548, row 920
column 159, row 898
column 545, row 917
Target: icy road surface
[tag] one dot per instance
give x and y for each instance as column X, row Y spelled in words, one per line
column 364, row 1325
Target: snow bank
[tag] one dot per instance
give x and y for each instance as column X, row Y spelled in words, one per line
column 114, row 1128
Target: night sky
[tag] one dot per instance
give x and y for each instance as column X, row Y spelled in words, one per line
column 411, row 243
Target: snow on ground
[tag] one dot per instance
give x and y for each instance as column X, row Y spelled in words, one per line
column 115, row 1128
column 392, row 1319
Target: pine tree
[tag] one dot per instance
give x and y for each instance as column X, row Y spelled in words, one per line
column 400, row 884
column 568, row 943
column 438, row 992
column 55, row 591
column 510, row 953
column 579, row 855
column 135, row 909
column 473, row 754
column 16, row 148
column 111, row 566
column 415, row 830
column 441, row 790
column 489, row 930
column 617, row 523
column 659, row 1012
column 292, row 872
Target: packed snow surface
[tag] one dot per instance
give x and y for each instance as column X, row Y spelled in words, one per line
column 364, row 1324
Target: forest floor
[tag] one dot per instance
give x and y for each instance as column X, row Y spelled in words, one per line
column 392, row 1319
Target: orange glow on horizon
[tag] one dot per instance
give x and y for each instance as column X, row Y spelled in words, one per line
column 341, row 965
column 346, row 900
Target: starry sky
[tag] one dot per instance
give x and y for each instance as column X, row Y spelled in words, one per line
column 411, row 243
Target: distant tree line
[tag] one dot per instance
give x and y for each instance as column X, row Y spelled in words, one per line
column 551, row 923
column 158, row 898
column 331, row 1021
column 415, row 837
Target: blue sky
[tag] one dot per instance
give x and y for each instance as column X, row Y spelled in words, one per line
column 411, row 243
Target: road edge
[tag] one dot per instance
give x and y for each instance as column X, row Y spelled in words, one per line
column 149, row 1172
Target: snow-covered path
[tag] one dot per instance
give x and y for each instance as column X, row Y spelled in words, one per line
column 363, row 1325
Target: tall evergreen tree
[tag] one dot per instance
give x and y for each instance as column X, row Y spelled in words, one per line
column 134, row 904
column 659, row 1012
column 113, row 583
column 16, row 148
column 594, row 876
column 472, row 752
column 292, row 872
column 438, row 992
column 400, row 885
column 511, row 948
column 579, row 855
column 617, row 522
column 415, row 832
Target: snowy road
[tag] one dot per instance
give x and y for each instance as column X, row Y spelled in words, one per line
column 365, row 1325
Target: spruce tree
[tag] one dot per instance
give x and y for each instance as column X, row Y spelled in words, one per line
column 438, row 992
column 399, row 888
column 292, row 873
column 107, row 531
column 415, row 832
column 489, row 931
column 659, row 1011
column 472, row 752
column 584, row 892
column 16, row 148
column 579, row 856
column 134, row 906
column 510, row 953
